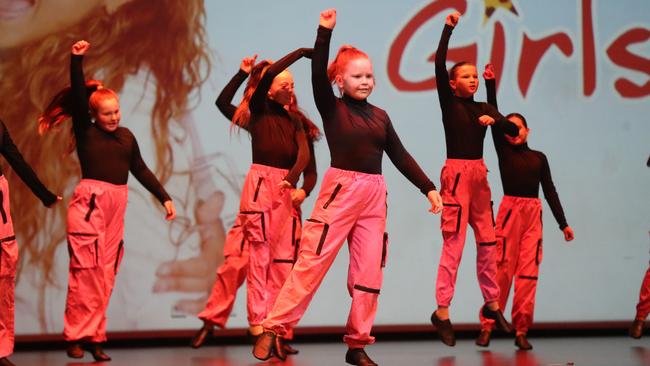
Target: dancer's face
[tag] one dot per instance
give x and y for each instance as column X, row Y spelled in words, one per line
column 358, row 79
column 23, row 21
column 465, row 82
column 107, row 116
column 523, row 131
column 281, row 90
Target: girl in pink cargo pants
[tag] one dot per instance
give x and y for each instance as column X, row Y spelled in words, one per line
column 8, row 245
column 351, row 203
column 519, row 221
column 264, row 236
column 95, row 222
column 232, row 273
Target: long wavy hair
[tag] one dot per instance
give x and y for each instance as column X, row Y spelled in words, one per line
column 242, row 115
column 132, row 39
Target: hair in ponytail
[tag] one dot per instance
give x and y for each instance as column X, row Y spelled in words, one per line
column 346, row 54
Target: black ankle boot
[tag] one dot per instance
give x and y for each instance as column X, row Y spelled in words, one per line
column 483, row 339
column 74, row 350
column 522, row 342
column 445, row 330
column 263, row 348
column 201, row 335
column 359, row 357
column 97, row 351
column 499, row 321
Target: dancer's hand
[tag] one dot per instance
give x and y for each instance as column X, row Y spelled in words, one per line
column 452, row 19
column 195, row 275
column 486, row 120
column 488, row 74
column 170, row 210
column 284, row 185
column 58, row 199
column 80, row 48
column 435, row 200
column 297, row 196
column 568, row 233
column 328, row 18
column 247, row 64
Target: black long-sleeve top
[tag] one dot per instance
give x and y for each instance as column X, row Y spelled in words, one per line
column 522, row 169
column 15, row 159
column 357, row 132
column 464, row 135
column 225, row 106
column 106, row 156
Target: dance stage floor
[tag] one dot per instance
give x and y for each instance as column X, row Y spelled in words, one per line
column 556, row 351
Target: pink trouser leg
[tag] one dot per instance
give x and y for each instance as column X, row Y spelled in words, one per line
column 519, row 248
column 466, row 197
column 230, row 276
column 264, row 210
column 527, row 272
column 643, row 307
column 8, row 262
column 95, row 232
column 367, row 246
column 349, row 205
column 283, row 257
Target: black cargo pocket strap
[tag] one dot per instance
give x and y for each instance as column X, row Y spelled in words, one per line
column 91, row 207
column 333, row 195
column 323, row 235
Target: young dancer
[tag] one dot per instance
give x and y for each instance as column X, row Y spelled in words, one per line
column 95, row 222
column 464, row 186
column 642, row 307
column 519, row 221
column 8, row 244
column 231, row 274
column 352, row 201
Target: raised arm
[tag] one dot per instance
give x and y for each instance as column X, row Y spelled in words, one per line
column 80, row 116
column 224, row 100
column 551, row 194
column 442, row 76
column 490, row 85
column 491, row 88
column 24, row 171
column 322, row 88
column 259, row 95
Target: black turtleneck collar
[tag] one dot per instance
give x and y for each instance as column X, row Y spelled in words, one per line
column 349, row 100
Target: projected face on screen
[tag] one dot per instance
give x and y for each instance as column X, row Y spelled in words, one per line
column 133, row 60
column 24, row 21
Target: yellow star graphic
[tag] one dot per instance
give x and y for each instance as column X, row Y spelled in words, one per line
column 492, row 5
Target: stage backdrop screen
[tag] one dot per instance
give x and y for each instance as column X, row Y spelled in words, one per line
column 578, row 70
